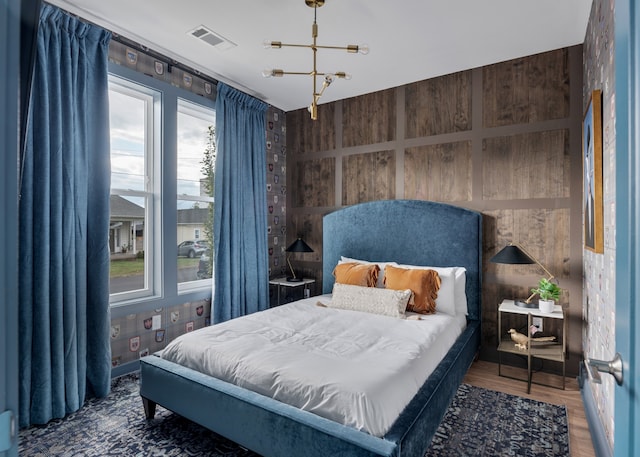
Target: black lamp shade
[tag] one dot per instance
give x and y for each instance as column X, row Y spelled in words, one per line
column 511, row 254
column 299, row 246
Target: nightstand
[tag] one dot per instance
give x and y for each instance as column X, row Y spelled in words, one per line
column 546, row 350
column 282, row 282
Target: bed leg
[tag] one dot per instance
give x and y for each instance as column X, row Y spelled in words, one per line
column 149, row 408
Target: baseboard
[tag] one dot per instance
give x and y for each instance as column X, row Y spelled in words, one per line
column 125, row 368
column 598, row 436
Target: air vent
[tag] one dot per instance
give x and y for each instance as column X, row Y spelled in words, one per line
column 210, row 37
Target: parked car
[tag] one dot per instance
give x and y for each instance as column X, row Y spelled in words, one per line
column 205, row 265
column 192, row 248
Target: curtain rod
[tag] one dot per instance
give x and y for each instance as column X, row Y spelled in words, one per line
column 156, row 55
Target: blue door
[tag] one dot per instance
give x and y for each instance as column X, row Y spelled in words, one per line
column 627, row 401
column 9, row 64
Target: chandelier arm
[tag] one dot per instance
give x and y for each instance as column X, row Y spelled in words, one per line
column 339, row 48
column 303, row 73
column 291, row 45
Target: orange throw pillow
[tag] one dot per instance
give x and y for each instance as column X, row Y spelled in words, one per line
column 356, row 274
column 424, row 284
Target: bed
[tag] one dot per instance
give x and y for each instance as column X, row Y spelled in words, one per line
column 405, row 231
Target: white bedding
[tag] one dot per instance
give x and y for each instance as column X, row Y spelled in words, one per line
column 355, row 368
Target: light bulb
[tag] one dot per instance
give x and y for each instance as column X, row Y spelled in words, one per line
column 267, row 72
column 268, row 44
column 363, row 49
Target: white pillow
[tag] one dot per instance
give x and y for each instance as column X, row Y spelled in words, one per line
column 382, row 265
column 452, row 298
column 461, row 291
column 386, row 302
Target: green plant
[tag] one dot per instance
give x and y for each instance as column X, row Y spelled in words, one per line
column 547, row 290
column 208, row 170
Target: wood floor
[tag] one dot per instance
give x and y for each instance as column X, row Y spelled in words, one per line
column 485, row 374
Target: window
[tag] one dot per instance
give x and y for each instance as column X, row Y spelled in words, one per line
column 161, row 226
column 195, row 156
column 133, row 186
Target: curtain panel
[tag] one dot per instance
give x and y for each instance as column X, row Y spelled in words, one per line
column 241, row 273
column 64, row 322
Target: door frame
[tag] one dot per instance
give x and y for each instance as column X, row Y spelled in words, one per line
column 627, row 60
column 9, row 69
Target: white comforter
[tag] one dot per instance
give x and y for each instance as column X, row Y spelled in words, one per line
column 355, row 368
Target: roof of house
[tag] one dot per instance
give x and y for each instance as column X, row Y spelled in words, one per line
column 121, row 208
column 192, row 215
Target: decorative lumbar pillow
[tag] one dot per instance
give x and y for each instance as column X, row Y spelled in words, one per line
column 382, row 266
column 386, row 302
column 356, row 274
column 423, row 283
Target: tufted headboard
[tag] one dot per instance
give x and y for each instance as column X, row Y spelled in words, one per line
column 409, row 232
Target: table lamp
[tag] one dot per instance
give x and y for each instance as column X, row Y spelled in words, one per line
column 514, row 254
column 297, row 246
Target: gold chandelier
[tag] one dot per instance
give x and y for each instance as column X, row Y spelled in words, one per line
column 328, row 77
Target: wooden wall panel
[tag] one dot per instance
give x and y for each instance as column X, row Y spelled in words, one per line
column 369, row 119
column 544, row 233
column 439, row 105
column 367, row 177
column 527, row 165
column 530, row 89
column 309, row 228
column 440, row 172
column 305, row 135
column 314, row 183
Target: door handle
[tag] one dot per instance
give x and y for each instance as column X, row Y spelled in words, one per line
column 595, row 367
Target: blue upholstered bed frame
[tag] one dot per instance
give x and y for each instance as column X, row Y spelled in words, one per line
column 405, row 231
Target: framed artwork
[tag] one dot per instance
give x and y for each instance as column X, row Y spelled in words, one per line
column 592, row 174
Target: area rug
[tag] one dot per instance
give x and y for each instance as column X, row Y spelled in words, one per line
column 479, row 422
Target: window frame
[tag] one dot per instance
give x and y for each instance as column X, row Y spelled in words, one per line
column 163, row 249
column 190, row 108
column 152, row 112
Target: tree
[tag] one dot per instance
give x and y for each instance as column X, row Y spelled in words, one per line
column 208, row 170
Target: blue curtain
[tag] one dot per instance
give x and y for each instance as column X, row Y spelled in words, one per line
column 63, row 273
column 241, row 276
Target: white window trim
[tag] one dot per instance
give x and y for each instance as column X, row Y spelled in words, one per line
column 152, row 238
column 192, row 109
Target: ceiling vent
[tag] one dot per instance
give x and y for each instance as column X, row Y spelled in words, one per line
column 211, row 38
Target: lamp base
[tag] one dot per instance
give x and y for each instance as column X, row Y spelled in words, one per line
column 292, row 279
column 524, row 304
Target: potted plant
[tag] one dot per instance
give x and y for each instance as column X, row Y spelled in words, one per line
column 549, row 292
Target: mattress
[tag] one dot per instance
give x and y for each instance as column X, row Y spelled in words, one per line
column 355, row 368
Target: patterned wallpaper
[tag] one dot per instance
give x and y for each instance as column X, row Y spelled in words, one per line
column 139, row 334
column 599, row 269
column 132, row 56
column 276, row 191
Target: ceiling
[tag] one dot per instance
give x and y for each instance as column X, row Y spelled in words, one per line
column 409, row 40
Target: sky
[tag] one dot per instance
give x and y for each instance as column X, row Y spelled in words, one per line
column 127, row 145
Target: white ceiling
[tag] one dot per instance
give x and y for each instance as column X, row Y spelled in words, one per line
column 410, row 40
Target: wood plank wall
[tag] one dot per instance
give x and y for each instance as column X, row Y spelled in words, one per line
column 504, row 139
